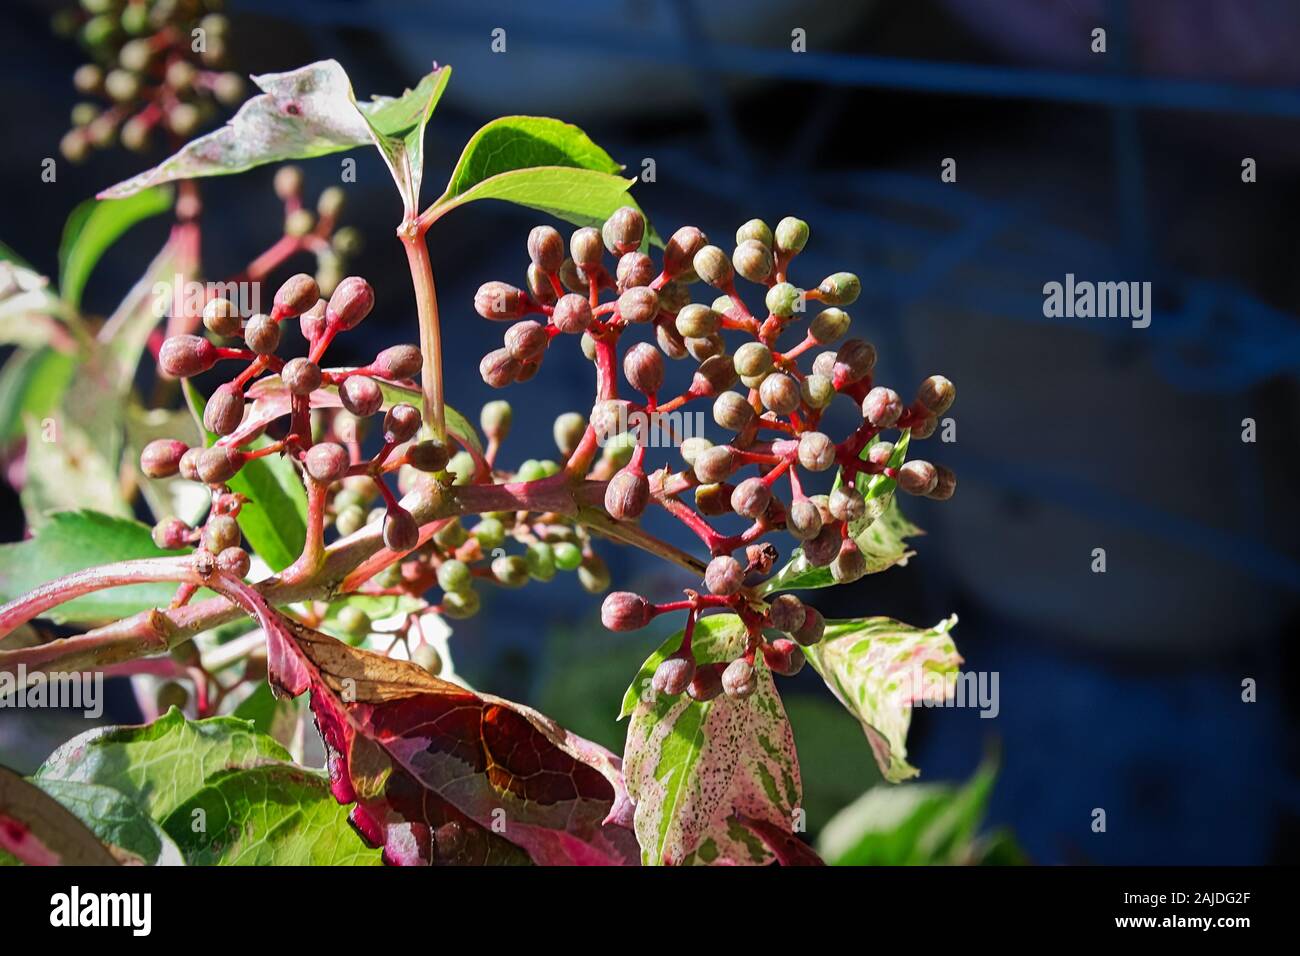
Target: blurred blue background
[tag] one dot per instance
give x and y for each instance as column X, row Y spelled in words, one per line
column 1119, row 690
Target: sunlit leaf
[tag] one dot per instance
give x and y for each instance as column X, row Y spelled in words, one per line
column 91, row 230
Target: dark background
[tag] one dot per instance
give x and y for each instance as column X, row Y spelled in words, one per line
column 1119, row 690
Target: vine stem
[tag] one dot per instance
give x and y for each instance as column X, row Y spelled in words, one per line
column 412, row 233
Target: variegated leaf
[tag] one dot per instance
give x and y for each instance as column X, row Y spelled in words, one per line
column 879, row 668
column 695, row 769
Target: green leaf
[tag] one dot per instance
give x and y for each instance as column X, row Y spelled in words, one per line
column 300, row 114
column 164, row 764
column 274, row 520
column 879, row 533
column 75, row 540
column 878, row 668
column 690, row 766
column 270, row 815
column 116, row 820
column 913, row 825
column 540, row 163
column 65, row 471
column 92, row 229
column 398, row 126
column 44, row 828
column 28, row 307
column 186, row 500
column 32, row 385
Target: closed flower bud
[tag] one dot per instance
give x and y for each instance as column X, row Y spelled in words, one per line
column 568, row 431
column 814, row 626
column 351, row 302
column 634, row 269
column 262, row 334
column 706, row 348
column 925, row 428
column 707, row 682
column 715, row 375
column 398, row 361
column 784, row 657
column 693, row 447
column 670, row 340
column 526, row 341
column 298, row 294
column 817, row 391
column 593, row 574
column 301, row 375
column 779, row 393
column 329, row 205
column 225, row 410
column 182, row 356
column 880, row 453
column 327, row 462
column 849, row 564
column 679, row 253
column 639, row 304
column 753, row 358
column 459, row 605
column 724, row 576
column 189, row 464
column 572, row 314
column 287, row 182
column 783, row 300
column 622, row 231
column 945, row 484
column 546, row 248
column 755, row 229
column 162, row 458
column 751, row 498
column 804, row 520
column 495, row 419
column 918, row 477
column 787, row 613
column 625, row 611
column 713, row 499
column 541, row 561
column 299, row 222
column 401, row 423
column 715, row 464
column 171, row 534
column 732, row 412
column 350, row 520
column 823, row 548
column 361, row 395
column 454, row 576
column 510, row 571
column 816, row 451
column 428, row 455
column 936, row 394
column 121, row 85
column 696, row 321
column 499, row 368
column 572, row 279
column 585, row 247
column 753, row 260
column 791, row 235
column 499, row 301
column 312, row 322
column 882, row 407
column 220, row 317
column 427, row 658
column 739, row 680
column 842, row 288
column 627, row 495
column 847, row 504
column 401, row 533
column 610, row 418
column 712, row 265
column 673, row 675
column 539, row 286
column 674, row 296
column 854, row 361
column 824, row 365
column 829, row 325
column 234, row 561
column 218, row 464
column 643, row 366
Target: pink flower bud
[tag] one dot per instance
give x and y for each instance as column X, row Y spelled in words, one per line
column 171, row 534
column 546, row 248
column 627, row 495
column 638, row 304
column 625, row 611
column 622, row 231
column 162, row 458
column 882, row 407
column 918, row 477
column 183, row 356
column 327, row 462
column 526, row 341
column 499, row 368
column 399, row 361
column 361, row 395
column 739, row 680
column 298, row 294
column 787, row 613
column 401, row 423
column 751, row 498
column 401, row 533
column 724, row 576
column 644, row 367
column 225, row 409
column 572, row 314
column 351, row 302
column 816, row 451
column 680, row 250
column 301, row 375
column 784, row 657
column 673, row 675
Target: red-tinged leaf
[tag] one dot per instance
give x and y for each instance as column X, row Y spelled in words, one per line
column 39, row 831
column 788, row 849
column 444, row 775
